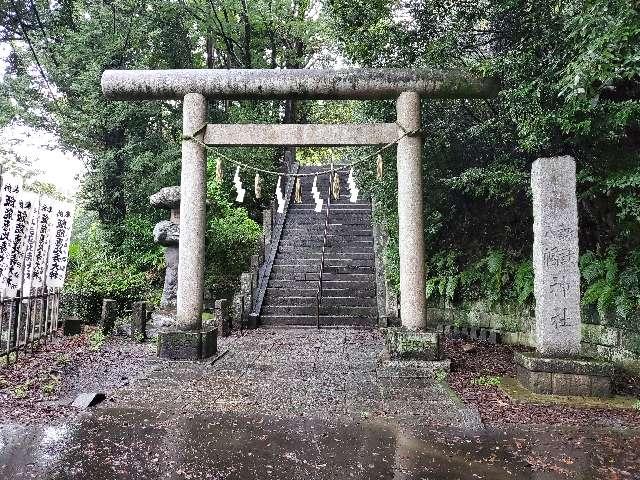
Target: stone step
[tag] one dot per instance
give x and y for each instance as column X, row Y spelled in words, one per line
column 329, row 261
column 332, row 229
column 334, row 224
column 272, row 300
column 347, row 285
column 311, row 274
column 310, row 291
column 350, row 264
column 335, row 252
column 336, row 210
column 284, row 310
column 339, row 253
column 331, row 238
column 361, row 242
column 346, row 232
column 342, row 218
column 327, row 276
column 325, row 320
column 343, row 207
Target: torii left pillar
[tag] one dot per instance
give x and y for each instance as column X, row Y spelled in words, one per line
column 189, row 341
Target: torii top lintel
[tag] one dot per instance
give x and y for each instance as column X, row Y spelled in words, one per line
column 260, row 84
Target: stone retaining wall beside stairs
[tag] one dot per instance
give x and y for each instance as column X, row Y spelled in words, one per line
column 602, row 338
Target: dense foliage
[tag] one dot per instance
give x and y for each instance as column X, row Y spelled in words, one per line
column 58, row 51
column 570, row 77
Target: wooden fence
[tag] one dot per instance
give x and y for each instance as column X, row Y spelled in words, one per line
column 28, row 321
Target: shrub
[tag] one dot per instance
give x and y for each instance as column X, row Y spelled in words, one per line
column 96, row 272
column 232, row 237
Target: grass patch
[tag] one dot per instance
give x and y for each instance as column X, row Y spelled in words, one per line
column 63, row 359
column 51, row 385
column 96, row 340
column 440, row 374
column 487, row 381
column 21, row 390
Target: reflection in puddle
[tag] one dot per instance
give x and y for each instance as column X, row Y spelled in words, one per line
column 52, row 443
column 128, row 445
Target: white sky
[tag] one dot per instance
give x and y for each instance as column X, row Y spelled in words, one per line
column 54, row 165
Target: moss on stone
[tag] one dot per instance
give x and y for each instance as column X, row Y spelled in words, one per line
column 631, row 341
column 517, row 393
column 405, row 344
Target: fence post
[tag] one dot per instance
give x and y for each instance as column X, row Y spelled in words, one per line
column 108, row 317
column 139, row 321
column 221, row 314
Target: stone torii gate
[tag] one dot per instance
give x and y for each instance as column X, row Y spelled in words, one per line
column 194, row 87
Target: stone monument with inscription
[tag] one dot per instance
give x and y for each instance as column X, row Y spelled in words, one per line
column 556, row 368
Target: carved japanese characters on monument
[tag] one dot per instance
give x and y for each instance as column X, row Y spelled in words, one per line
column 555, row 256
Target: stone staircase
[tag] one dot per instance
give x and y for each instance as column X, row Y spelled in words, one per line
column 348, row 286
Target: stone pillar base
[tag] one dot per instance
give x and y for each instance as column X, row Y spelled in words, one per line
column 188, row 345
column 403, row 344
column 564, row 376
column 413, row 368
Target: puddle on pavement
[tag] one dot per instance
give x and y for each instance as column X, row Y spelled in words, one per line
column 136, row 444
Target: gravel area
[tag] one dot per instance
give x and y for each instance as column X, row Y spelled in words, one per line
column 42, row 384
column 297, row 372
column 292, row 404
column 282, row 372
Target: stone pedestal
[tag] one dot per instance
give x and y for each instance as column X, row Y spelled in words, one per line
column 403, row 344
column 161, row 321
column 188, row 345
column 564, row 376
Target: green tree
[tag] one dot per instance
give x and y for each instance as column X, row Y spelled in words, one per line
column 569, row 73
column 58, row 53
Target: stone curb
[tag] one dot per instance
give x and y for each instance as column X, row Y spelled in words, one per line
column 536, row 363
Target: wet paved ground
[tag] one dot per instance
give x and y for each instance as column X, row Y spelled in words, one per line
column 326, row 373
column 300, row 404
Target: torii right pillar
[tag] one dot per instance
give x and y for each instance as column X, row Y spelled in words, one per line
column 415, row 347
column 410, row 214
